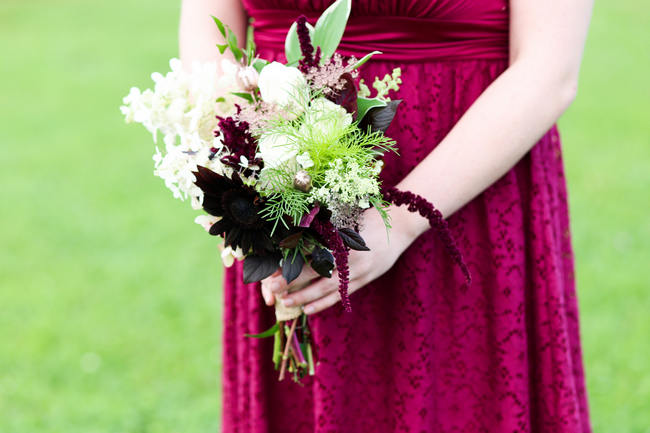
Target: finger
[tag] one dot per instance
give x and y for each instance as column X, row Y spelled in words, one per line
column 269, row 299
column 278, row 284
column 322, row 303
column 310, row 293
column 306, row 276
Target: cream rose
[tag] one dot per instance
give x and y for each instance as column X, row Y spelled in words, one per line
column 284, row 86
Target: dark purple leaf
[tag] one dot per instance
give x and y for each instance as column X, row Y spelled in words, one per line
column 322, row 261
column 292, row 266
column 307, row 219
column 353, row 240
column 256, row 268
column 380, row 118
column 291, row 241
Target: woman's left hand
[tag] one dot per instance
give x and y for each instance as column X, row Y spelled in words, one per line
column 365, row 266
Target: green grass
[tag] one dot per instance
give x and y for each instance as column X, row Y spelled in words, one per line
column 607, row 151
column 109, row 294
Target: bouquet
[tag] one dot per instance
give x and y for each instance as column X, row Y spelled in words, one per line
column 283, row 158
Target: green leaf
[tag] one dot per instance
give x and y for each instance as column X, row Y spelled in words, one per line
column 277, row 348
column 220, row 26
column 365, row 59
column 365, row 104
column 250, row 43
column 231, row 40
column 292, row 43
column 330, row 27
column 232, row 43
column 259, row 64
column 268, row 333
column 246, row 96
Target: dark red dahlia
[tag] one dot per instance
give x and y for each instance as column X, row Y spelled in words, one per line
column 239, row 207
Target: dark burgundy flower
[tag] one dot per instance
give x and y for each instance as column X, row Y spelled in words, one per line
column 346, row 97
column 308, row 60
column 239, row 207
column 236, row 136
column 416, row 203
column 332, row 240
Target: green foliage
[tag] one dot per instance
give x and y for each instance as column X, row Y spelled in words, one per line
column 365, row 58
column 247, row 96
column 366, row 104
column 292, row 44
column 231, row 40
column 325, row 148
column 330, row 27
column 383, row 86
column 247, row 56
column 382, row 208
column 250, row 43
column 282, row 199
column 268, row 333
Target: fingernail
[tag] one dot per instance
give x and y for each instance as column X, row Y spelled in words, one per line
column 308, row 310
column 288, row 302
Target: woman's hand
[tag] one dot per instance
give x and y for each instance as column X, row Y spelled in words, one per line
column 316, row 293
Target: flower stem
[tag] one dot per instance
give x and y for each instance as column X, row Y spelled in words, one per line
column 285, row 355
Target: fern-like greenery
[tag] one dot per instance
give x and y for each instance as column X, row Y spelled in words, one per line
column 282, row 199
column 326, row 138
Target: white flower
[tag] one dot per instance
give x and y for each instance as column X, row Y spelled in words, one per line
column 304, row 160
column 326, row 119
column 182, row 108
column 228, row 255
column 206, row 221
column 276, row 149
column 283, row 85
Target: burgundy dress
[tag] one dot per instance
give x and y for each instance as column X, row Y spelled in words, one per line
column 422, row 351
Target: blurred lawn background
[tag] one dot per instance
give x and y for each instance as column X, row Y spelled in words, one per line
column 109, row 293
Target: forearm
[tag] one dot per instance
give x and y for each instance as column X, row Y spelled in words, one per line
column 546, row 43
column 496, row 132
column 198, row 35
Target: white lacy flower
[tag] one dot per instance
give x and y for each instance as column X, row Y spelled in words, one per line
column 206, row 221
column 228, row 255
column 304, row 160
column 283, row 85
column 325, row 119
column 183, row 107
column 276, row 149
column 347, row 182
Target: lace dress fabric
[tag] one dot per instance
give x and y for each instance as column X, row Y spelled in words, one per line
column 422, row 351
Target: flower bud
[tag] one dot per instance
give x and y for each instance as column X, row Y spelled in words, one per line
column 302, row 181
column 247, row 78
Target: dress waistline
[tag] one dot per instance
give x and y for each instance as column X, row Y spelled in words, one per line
column 402, row 39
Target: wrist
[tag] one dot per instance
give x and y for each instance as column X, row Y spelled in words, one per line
column 406, row 226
